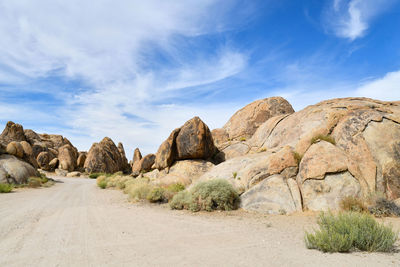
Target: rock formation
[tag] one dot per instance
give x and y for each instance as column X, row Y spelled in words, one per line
column 191, row 141
column 14, row 170
column 143, row 165
column 67, row 156
column 104, row 157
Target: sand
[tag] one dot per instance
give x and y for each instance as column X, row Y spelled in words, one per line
column 75, row 223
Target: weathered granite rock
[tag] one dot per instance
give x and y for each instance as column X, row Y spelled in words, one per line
column 80, row 162
column 14, row 170
column 244, row 123
column 167, row 153
column 273, row 195
column 104, row 157
column 67, row 156
column 43, row 160
column 144, row 164
column 12, row 132
column 194, row 141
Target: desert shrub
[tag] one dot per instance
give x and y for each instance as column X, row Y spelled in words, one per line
column 156, row 194
column 138, row 189
column 34, row 182
column 297, row 157
column 181, row 200
column 349, row 231
column 321, row 137
column 102, row 184
column 351, row 203
column 211, row 195
column 102, row 181
column 171, row 190
column 121, row 183
column 6, row 188
column 242, row 139
column 384, row 208
column 95, row 175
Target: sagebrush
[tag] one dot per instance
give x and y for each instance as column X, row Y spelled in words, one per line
column 6, row 188
column 211, row 195
column 349, row 231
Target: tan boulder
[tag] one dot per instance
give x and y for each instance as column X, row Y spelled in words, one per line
column 104, row 157
column 185, row 172
column 244, row 123
column 326, row 194
column 220, row 137
column 235, row 149
column 67, row 156
column 53, row 164
column 73, row 174
column 12, row 132
column 80, row 162
column 15, row 149
column 194, row 141
column 43, row 160
column 246, row 171
column 137, row 156
column 14, row 170
column 144, row 165
column 125, row 164
column 167, row 152
column 31, row 136
column 273, row 195
column 324, row 178
column 383, row 141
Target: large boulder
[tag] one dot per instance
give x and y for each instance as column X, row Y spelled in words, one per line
column 246, row 171
column 144, row 165
column 67, row 156
column 244, row 123
column 104, row 157
column 327, row 151
column 194, row 141
column 274, row 195
column 15, row 149
column 137, row 156
column 125, row 163
column 12, row 132
column 14, row 170
column 184, row 172
column 167, row 152
column 191, row 141
column 80, row 162
column 43, row 160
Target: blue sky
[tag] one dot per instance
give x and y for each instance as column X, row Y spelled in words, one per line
column 135, row 70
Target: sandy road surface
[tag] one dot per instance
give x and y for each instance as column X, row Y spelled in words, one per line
column 74, row 223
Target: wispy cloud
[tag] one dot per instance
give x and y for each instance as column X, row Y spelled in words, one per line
column 351, row 18
column 385, row 88
column 111, row 50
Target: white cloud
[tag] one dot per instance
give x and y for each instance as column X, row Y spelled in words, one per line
column 385, row 88
column 106, row 45
column 351, row 18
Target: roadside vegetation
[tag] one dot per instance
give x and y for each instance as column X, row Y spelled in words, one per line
column 211, row 195
column 350, row 231
column 33, row 182
column 374, row 204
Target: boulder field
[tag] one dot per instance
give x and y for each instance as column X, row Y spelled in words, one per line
column 279, row 160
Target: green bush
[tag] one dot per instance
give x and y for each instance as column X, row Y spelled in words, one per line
column 138, row 189
column 181, row 201
column 322, row 137
column 210, row 195
column 297, row 157
column 95, row 175
column 34, row 182
column 102, row 184
column 156, row 195
column 384, row 208
column 351, row 203
column 6, row 188
column 176, row 187
column 348, row 231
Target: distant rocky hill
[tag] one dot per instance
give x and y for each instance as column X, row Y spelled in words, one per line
column 278, row 159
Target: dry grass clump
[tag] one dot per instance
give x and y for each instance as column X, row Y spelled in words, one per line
column 6, row 188
column 376, row 204
column 35, row 182
column 321, row 137
column 350, row 231
column 384, row 208
column 211, row 195
column 351, row 203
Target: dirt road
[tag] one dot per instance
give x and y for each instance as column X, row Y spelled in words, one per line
column 74, row 223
